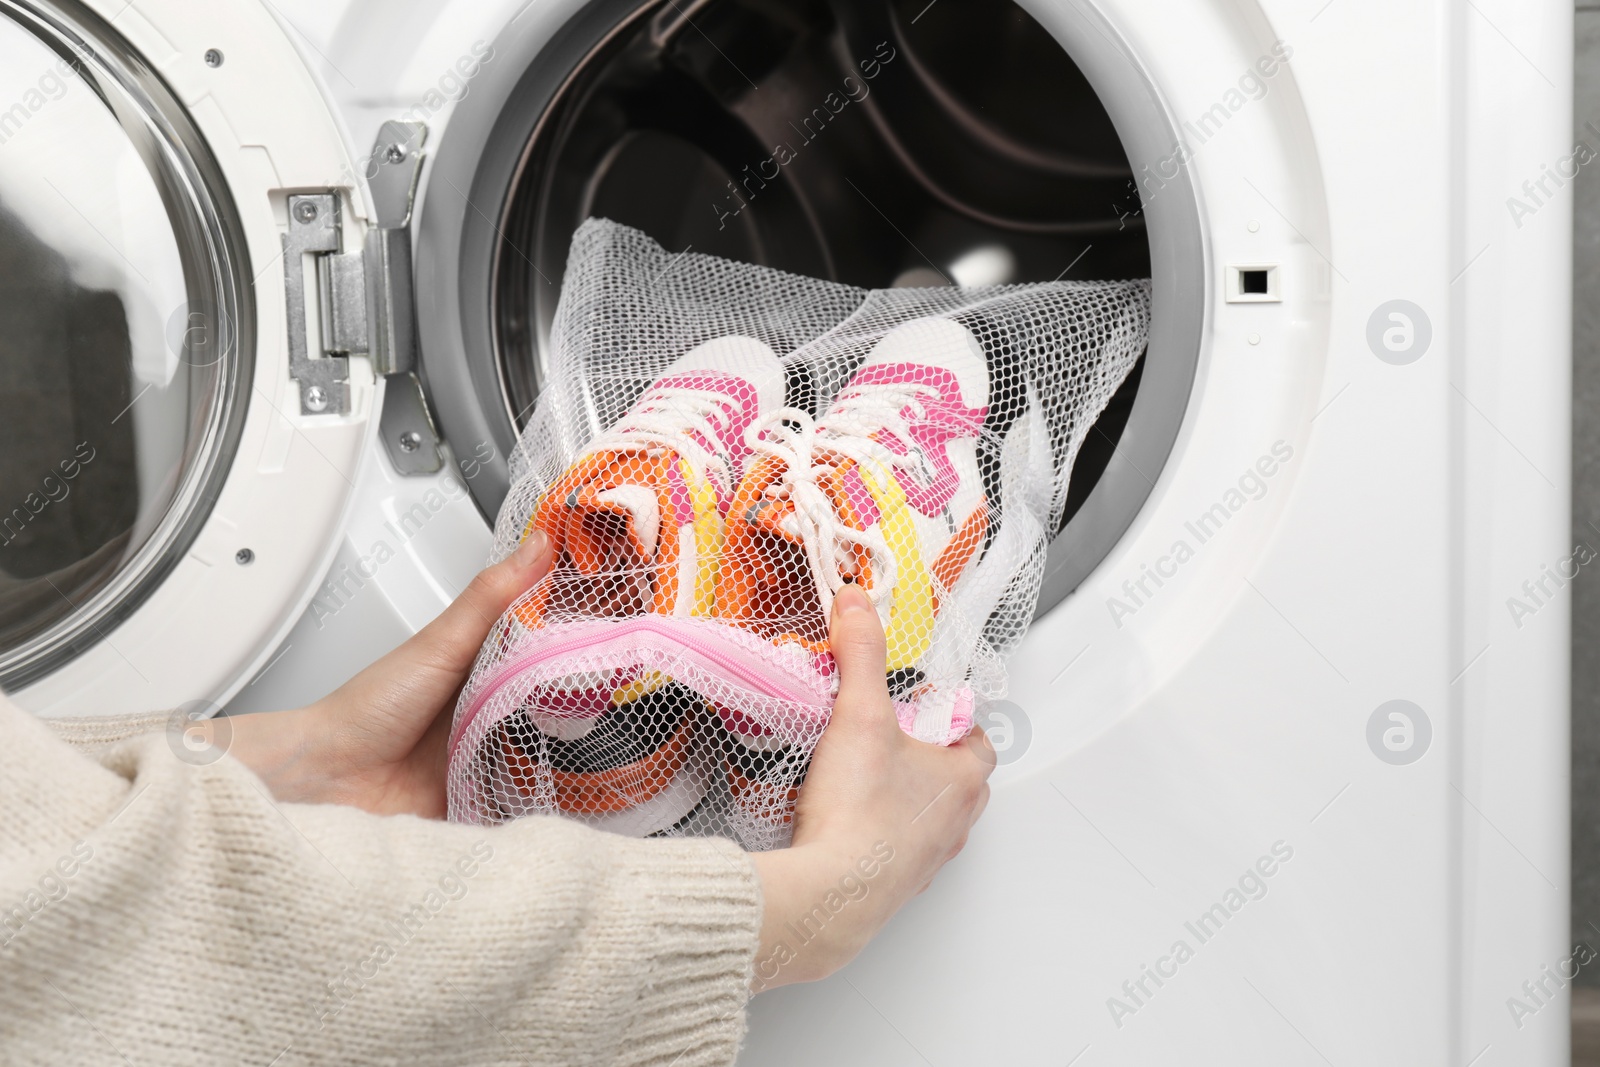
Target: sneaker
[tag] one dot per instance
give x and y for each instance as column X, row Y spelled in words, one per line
column 764, row 775
column 884, row 490
column 637, row 520
column 602, row 749
column 637, row 525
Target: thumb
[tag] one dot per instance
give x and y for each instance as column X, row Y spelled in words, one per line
column 857, row 640
column 401, row 696
column 451, row 641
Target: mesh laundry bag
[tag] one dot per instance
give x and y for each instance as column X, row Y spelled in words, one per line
column 718, row 449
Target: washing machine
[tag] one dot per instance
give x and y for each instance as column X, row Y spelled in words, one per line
column 1284, row 758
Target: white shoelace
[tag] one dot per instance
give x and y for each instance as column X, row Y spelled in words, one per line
column 668, row 422
column 846, row 432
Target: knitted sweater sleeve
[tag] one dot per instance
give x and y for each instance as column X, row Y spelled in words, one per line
column 157, row 911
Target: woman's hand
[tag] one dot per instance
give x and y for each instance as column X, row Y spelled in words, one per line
column 378, row 742
column 878, row 815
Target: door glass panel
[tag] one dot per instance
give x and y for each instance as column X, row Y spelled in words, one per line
column 117, row 337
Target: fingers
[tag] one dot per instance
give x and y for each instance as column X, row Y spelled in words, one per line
column 857, row 641
column 402, row 700
column 452, row 640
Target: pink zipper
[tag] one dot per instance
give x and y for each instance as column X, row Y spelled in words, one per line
column 743, row 666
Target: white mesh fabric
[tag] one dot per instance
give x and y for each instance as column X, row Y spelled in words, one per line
column 671, row 674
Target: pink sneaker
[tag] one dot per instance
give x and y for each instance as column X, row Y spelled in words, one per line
column 883, row 490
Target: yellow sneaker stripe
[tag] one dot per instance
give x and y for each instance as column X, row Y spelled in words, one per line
column 708, row 535
column 910, row 628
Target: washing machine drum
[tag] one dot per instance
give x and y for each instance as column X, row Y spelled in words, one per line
column 841, row 140
column 874, row 142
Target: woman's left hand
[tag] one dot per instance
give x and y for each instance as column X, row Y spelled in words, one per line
column 378, row 742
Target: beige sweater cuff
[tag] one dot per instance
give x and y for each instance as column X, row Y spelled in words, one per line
column 176, row 914
column 91, row 732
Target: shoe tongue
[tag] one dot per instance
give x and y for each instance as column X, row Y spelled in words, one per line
column 771, row 517
column 642, row 508
column 844, row 489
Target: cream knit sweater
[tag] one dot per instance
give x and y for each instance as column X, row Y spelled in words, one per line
column 156, row 912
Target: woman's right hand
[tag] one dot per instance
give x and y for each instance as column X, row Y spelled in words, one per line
column 878, row 815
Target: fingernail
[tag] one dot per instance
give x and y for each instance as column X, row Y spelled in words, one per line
column 851, row 598
column 531, row 550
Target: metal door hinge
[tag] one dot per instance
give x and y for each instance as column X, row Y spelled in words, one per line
column 366, row 300
column 406, row 427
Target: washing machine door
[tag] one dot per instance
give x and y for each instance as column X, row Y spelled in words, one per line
column 184, row 385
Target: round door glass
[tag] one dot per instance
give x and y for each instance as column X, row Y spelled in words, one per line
column 119, row 335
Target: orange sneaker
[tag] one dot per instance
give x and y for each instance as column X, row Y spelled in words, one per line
column 610, row 756
column 637, row 525
column 637, row 521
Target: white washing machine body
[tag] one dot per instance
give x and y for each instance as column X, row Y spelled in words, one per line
column 1284, row 774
